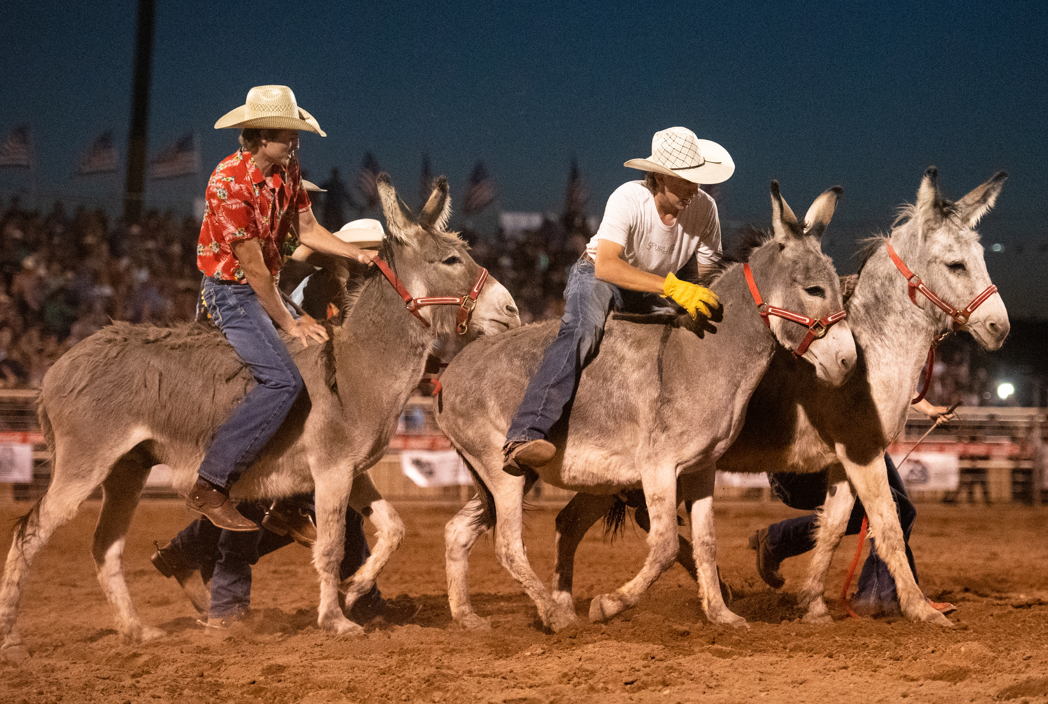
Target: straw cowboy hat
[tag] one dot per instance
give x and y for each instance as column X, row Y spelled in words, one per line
column 365, row 233
column 312, row 187
column 678, row 152
column 270, row 107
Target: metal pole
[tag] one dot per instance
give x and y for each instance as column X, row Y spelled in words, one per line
column 135, row 185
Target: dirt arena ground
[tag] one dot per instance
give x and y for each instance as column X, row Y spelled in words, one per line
column 992, row 562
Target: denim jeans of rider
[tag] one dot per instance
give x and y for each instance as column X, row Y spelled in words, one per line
column 225, row 557
column 587, row 303
column 796, row 536
column 237, row 312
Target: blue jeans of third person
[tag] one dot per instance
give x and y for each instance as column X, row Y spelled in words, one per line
column 587, row 303
column 237, row 312
column 796, row 536
column 225, row 557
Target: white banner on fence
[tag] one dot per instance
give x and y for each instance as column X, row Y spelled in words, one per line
column 429, row 468
column 743, row 480
column 160, row 475
column 931, row 471
column 16, row 463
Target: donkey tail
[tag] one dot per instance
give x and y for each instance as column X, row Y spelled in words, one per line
column 485, row 518
column 21, row 526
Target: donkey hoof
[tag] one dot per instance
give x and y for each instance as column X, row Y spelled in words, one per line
column 14, row 652
column 728, row 618
column 817, row 618
column 472, row 622
column 604, row 606
column 930, row 615
column 560, row 620
column 341, row 626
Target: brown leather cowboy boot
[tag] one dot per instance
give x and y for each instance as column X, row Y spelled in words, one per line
column 283, row 518
column 214, row 503
column 172, row 562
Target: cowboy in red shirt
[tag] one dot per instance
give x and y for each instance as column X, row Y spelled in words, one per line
column 252, row 198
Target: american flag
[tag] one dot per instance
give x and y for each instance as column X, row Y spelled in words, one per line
column 100, row 157
column 365, row 183
column 181, row 158
column 480, row 190
column 17, row 147
column 425, row 182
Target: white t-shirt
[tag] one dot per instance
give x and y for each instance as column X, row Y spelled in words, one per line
column 632, row 220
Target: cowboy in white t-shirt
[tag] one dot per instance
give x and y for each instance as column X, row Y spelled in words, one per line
column 651, row 230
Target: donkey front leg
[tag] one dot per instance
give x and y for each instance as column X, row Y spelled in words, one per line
column 697, row 491
column 871, row 484
column 331, row 497
column 660, row 492
column 830, row 528
column 389, row 534
column 572, row 523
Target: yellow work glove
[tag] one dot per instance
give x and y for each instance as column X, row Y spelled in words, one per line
column 691, row 297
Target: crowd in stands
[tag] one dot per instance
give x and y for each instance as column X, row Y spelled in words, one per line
column 64, row 275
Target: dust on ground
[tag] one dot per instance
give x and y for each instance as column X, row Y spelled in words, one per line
column 989, row 561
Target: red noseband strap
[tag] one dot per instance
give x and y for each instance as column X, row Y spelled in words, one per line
column 466, row 303
column 816, row 328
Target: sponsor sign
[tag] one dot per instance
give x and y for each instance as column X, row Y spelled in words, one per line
column 931, row 471
column 16, row 463
column 429, row 468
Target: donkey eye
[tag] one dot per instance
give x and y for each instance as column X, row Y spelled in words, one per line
column 957, row 267
column 816, row 291
column 453, row 259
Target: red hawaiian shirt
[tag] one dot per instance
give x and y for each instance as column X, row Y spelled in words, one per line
column 240, row 205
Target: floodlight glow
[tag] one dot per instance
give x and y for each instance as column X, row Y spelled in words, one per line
column 1005, row 390
column 998, row 247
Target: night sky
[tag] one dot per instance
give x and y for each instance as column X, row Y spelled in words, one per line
column 865, row 95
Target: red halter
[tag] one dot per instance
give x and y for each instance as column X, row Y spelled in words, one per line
column 960, row 318
column 816, row 328
column 466, row 303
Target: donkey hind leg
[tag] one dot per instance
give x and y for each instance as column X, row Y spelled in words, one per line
column 508, row 494
column 830, row 528
column 389, row 534
column 660, row 492
column 871, row 484
column 697, row 491
column 121, row 491
column 70, row 486
column 460, row 533
column 572, row 523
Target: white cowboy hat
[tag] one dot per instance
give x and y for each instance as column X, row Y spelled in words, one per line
column 312, row 187
column 678, row 152
column 270, row 107
column 365, row 233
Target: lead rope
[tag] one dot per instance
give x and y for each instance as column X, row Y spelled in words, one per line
column 866, row 521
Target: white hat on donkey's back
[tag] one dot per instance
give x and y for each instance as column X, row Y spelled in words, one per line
column 678, row 152
column 270, row 107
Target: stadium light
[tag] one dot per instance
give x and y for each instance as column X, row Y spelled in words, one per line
column 1005, row 390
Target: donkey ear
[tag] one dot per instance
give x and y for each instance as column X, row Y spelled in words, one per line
column 783, row 221
column 437, row 210
column 821, row 212
column 398, row 217
column 973, row 206
column 929, row 200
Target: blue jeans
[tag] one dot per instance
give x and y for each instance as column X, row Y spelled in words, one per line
column 796, row 536
column 225, row 557
column 551, row 389
column 236, row 311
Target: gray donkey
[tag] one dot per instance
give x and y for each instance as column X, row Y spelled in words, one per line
column 658, row 403
column 133, row 396
column 797, row 425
